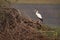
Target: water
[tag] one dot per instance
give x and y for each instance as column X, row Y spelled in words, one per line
column 50, row 13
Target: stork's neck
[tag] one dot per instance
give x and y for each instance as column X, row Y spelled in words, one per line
column 37, row 12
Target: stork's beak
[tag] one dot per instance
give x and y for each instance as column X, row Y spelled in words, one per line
column 35, row 10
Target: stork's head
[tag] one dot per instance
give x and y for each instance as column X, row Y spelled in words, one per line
column 35, row 10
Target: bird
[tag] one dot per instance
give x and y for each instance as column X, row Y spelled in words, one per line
column 38, row 15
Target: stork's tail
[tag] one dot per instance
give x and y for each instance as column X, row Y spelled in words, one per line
column 41, row 20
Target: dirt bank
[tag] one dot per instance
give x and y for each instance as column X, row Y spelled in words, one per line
column 14, row 26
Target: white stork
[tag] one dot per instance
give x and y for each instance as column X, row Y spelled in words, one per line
column 39, row 15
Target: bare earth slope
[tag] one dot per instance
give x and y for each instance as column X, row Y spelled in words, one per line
column 14, row 26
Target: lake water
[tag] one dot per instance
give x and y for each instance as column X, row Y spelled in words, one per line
column 50, row 13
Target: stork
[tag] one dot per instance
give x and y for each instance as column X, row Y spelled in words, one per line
column 39, row 15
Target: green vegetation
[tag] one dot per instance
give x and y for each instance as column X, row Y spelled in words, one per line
column 7, row 3
column 51, row 32
column 57, row 29
column 39, row 1
column 31, row 1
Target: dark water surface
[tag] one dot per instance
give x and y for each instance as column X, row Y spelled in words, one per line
column 50, row 13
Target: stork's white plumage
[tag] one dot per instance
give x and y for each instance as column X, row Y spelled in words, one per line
column 38, row 14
